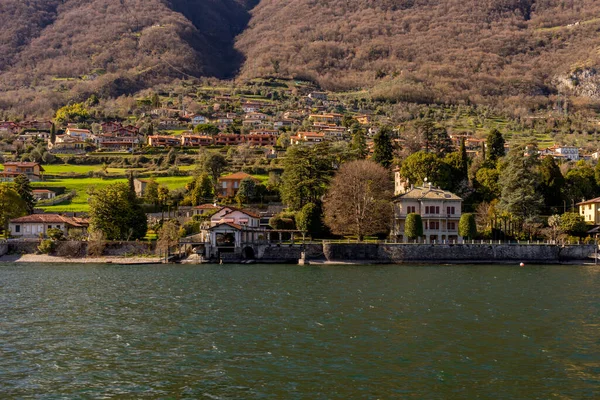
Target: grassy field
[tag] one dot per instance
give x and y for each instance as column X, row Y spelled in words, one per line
column 66, row 170
column 81, row 185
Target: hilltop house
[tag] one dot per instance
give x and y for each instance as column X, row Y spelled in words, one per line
column 32, row 170
column 230, row 184
column 440, row 211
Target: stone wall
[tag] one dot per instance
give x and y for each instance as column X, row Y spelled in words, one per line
column 23, row 246
column 287, row 253
column 398, row 253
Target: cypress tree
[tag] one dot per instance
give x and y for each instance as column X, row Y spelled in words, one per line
column 383, row 150
column 53, row 133
column 495, row 143
column 464, row 160
column 413, row 226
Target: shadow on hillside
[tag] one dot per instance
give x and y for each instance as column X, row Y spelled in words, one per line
column 219, row 22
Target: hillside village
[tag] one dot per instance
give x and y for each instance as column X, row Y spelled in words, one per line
column 164, row 141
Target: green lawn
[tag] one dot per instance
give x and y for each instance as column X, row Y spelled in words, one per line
column 81, row 185
column 66, row 169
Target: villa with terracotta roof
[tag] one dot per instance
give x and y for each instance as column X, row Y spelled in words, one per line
column 32, row 170
column 38, row 224
column 307, row 138
column 230, row 184
column 440, row 211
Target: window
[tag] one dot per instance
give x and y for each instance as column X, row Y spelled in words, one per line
column 49, row 226
column 17, row 228
column 236, row 184
column 451, row 226
column 437, row 209
column 434, row 225
column 426, row 209
column 57, row 226
column 224, row 185
column 411, row 209
column 450, row 210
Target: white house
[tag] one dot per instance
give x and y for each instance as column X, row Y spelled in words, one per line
column 235, row 216
column 36, row 225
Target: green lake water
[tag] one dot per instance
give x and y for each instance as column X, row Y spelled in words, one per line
column 291, row 332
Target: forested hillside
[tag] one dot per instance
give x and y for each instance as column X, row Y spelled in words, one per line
column 73, row 48
column 513, row 53
column 425, row 50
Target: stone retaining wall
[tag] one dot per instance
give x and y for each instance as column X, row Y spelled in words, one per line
column 398, row 253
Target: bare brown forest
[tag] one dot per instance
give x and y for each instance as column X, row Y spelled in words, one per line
column 482, row 51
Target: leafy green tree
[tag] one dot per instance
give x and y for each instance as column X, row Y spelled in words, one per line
column 309, row 220
column 580, row 183
column 467, row 227
column 208, row 129
column 421, row 165
column 383, row 149
column 23, row 188
column 487, row 183
column 573, row 224
column 359, row 144
column 201, row 190
column 115, row 211
column 151, row 192
column 518, row 184
column 214, row 164
column 551, row 183
column 11, row 205
column 359, row 200
column 306, row 173
column 76, row 112
column 246, row 191
column 413, row 226
column 282, row 221
column 495, row 144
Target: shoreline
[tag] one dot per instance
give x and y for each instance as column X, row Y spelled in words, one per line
column 45, row 259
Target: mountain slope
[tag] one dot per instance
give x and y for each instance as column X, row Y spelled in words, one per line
column 517, row 52
column 112, row 47
column 424, row 49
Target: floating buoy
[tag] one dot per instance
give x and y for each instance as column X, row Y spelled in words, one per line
column 522, row 265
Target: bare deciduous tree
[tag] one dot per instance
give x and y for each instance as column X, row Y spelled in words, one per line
column 358, row 201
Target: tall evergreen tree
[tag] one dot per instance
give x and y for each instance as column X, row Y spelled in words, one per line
column 306, row 173
column 53, row 133
column 383, row 149
column 518, row 182
column 552, row 184
column 23, row 188
column 495, row 143
column 464, row 159
column 359, row 144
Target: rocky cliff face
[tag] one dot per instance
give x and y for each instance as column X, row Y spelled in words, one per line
column 583, row 82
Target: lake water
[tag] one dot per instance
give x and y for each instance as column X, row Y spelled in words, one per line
column 290, row 332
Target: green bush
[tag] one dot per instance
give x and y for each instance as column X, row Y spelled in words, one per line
column 47, row 246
